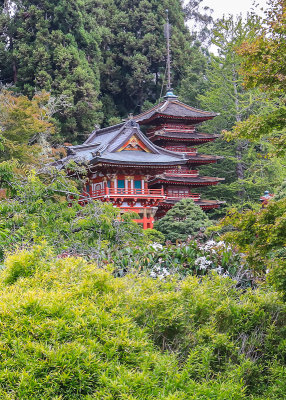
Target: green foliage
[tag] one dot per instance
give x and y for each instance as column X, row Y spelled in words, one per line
column 133, row 50
column 53, row 46
column 73, row 331
column 183, row 220
column 25, row 126
column 38, row 209
column 247, row 168
column 281, row 192
column 190, row 258
column 261, row 235
column 263, row 67
column 154, row 236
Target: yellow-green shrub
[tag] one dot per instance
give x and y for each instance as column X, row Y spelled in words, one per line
column 72, row 331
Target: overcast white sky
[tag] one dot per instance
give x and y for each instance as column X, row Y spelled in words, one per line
column 226, row 7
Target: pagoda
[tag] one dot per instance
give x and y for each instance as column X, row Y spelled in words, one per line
column 120, row 162
column 174, row 126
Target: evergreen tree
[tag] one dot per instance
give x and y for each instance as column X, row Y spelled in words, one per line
column 134, row 51
column 183, row 220
column 53, row 45
column 246, row 167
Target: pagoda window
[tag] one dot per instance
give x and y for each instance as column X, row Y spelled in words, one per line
column 120, row 185
column 108, row 184
column 137, row 186
column 179, row 192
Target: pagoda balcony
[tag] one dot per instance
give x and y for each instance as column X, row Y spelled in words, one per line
column 112, row 193
column 178, row 196
column 182, row 173
column 172, row 127
column 191, row 151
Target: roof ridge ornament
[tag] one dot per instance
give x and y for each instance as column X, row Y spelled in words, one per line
column 131, row 123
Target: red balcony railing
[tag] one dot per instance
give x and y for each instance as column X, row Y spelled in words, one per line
column 127, row 193
column 182, row 172
column 172, row 128
column 176, row 195
column 182, row 149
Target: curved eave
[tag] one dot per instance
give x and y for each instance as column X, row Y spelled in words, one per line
column 177, row 136
column 189, row 140
column 204, row 204
column 155, row 116
column 202, row 160
column 135, row 164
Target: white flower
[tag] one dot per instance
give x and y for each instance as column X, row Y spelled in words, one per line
column 219, row 270
column 209, row 244
column 156, row 246
column 202, row 262
column 159, row 272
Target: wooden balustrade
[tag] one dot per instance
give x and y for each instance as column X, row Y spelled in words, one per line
column 176, row 195
column 182, row 149
column 118, row 192
column 172, row 128
column 182, row 172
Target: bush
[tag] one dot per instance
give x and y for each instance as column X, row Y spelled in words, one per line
column 183, row 220
column 154, row 236
column 72, row 331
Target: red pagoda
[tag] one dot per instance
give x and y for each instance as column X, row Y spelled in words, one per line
column 173, row 125
column 120, row 161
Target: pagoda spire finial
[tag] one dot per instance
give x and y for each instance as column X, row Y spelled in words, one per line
column 168, row 51
column 169, row 93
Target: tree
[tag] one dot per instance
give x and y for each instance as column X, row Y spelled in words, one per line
column 53, row 46
column 24, row 122
column 261, row 235
column 200, row 21
column 247, row 167
column 264, row 68
column 184, row 219
column 133, row 51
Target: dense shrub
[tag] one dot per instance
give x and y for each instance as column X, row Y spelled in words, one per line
column 183, row 220
column 38, row 209
column 72, row 331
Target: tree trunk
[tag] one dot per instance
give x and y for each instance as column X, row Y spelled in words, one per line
column 240, row 144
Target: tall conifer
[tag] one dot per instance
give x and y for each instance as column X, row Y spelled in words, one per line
column 134, row 50
column 53, row 45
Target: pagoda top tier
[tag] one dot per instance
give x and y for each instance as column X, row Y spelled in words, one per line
column 173, row 109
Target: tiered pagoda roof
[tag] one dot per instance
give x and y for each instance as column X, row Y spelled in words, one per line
column 189, row 181
column 193, row 138
column 172, row 125
column 112, row 145
column 172, row 108
column 204, row 204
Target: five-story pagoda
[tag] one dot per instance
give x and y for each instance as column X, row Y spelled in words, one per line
column 173, row 125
